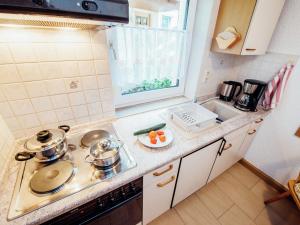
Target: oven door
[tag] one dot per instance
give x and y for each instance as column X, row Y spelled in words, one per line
column 126, row 213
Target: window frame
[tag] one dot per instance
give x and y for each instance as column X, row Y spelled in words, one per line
column 158, row 94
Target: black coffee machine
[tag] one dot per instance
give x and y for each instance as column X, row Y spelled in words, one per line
column 252, row 91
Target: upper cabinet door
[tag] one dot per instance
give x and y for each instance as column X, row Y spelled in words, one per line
column 262, row 26
column 254, row 22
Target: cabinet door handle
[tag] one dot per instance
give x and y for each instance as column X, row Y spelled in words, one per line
column 252, row 132
column 259, row 120
column 227, row 147
column 250, row 49
column 157, row 174
column 166, row 182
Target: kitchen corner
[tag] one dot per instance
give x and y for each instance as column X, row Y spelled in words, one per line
column 147, row 160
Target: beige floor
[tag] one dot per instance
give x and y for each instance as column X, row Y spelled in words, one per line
column 234, row 198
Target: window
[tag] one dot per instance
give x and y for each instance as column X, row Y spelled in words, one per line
column 148, row 56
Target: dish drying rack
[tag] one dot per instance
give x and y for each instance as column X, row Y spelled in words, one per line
column 192, row 117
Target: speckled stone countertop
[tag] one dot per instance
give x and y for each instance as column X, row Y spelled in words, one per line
column 147, row 160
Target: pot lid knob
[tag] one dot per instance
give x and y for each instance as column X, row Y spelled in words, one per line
column 43, row 136
column 105, row 143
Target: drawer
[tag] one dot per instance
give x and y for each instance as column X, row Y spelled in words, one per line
column 162, row 173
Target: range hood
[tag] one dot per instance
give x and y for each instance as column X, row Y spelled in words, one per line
column 64, row 13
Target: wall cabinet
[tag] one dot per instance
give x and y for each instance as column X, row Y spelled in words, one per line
column 254, row 20
column 158, row 191
column 230, row 152
column 194, row 171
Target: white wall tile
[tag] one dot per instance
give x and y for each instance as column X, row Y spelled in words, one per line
column 60, row 101
column 98, row 36
column 101, row 66
column 2, row 97
column 5, row 110
column 56, row 86
column 80, row 111
column 95, row 108
column 50, row 70
column 106, row 94
column 69, row 68
column 29, row 121
column 36, row 89
column 66, row 51
column 84, row 51
column 92, row 96
column 30, row 71
column 86, row 68
column 107, row 106
column 104, row 81
column 46, row 52
column 41, row 104
column 89, row 82
column 14, row 91
column 76, row 98
column 47, row 117
column 5, row 55
column 9, row 74
column 100, row 51
column 22, row 52
column 22, row 107
column 82, row 120
column 13, row 123
column 64, row 114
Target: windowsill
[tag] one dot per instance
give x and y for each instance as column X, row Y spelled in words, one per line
column 145, row 107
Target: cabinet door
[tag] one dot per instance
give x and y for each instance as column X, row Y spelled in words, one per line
column 249, row 137
column 262, row 25
column 230, row 153
column 158, row 193
column 194, row 171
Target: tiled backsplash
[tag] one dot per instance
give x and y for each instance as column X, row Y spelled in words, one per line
column 6, row 144
column 53, row 76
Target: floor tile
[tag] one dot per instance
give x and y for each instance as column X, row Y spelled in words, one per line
column 168, row 218
column 245, row 176
column 214, row 199
column 235, row 216
column 269, row 217
column 193, row 212
column 240, row 195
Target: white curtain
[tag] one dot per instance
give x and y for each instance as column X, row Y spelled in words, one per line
column 141, row 54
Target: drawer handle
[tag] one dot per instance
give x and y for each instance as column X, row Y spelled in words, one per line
column 227, row 147
column 166, row 182
column 250, row 49
column 259, row 120
column 157, row 174
column 252, row 132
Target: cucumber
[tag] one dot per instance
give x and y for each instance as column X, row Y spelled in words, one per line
column 153, row 128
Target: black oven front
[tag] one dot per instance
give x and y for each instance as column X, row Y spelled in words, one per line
column 123, row 206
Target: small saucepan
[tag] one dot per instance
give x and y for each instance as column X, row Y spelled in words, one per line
column 46, row 145
column 105, row 152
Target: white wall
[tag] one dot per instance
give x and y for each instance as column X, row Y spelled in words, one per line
column 37, row 68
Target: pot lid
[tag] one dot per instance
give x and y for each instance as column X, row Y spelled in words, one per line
column 105, row 148
column 44, row 140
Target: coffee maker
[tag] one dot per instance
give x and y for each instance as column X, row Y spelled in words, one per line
column 229, row 91
column 252, row 91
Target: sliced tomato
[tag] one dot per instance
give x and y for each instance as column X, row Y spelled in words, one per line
column 152, row 134
column 153, row 141
column 160, row 132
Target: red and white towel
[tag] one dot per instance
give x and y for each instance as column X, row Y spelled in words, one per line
column 276, row 87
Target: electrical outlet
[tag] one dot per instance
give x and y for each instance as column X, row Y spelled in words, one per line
column 73, row 84
column 206, row 76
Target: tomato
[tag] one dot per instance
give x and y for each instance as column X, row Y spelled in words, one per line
column 162, row 138
column 152, row 134
column 153, row 140
column 160, row 132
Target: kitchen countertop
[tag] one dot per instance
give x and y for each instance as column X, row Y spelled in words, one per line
column 147, row 160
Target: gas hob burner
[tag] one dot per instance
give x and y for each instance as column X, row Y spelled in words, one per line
column 51, row 178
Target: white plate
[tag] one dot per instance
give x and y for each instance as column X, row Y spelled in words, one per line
column 145, row 140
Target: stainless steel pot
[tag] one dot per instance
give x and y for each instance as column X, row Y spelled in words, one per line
column 46, row 145
column 105, row 152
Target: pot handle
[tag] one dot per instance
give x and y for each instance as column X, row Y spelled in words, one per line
column 121, row 143
column 87, row 159
column 23, row 156
column 65, row 128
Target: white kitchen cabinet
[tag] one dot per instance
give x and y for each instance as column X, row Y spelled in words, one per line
column 158, row 191
column 253, row 128
column 194, row 171
column 230, row 153
column 254, row 20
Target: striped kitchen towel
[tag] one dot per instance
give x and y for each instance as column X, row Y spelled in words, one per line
column 276, row 87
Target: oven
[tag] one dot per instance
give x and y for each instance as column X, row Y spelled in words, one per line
column 123, row 206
